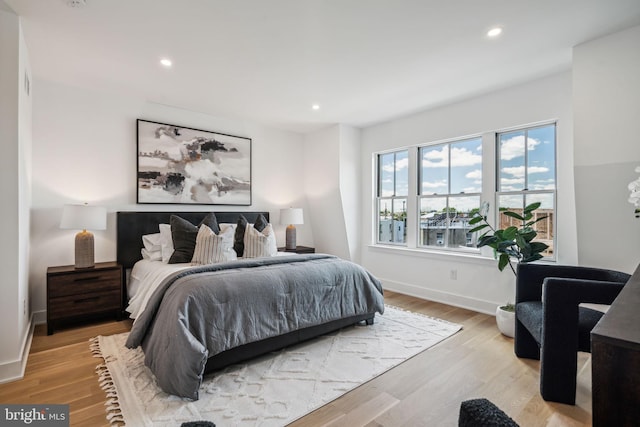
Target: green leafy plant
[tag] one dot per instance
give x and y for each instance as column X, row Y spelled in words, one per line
column 512, row 244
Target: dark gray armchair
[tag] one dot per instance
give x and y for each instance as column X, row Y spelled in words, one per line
column 552, row 327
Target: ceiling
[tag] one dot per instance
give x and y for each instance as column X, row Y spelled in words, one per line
column 361, row 61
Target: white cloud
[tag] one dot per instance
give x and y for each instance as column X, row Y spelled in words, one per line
column 511, row 181
column 518, row 171
column 459, row 157
column 433, row 185
column 399, row 165
column 514, row 147
column 474, row 174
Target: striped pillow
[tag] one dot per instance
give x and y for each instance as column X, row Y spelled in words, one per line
column 213, row 248
column 259, row 243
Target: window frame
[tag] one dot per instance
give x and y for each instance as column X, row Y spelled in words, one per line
column 490, row 193
column 525, row 192
column 446, row 195
column 392, row 199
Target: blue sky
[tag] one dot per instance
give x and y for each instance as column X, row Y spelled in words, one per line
column 466, row 166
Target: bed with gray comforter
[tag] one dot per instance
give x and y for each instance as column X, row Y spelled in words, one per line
column 205, row 312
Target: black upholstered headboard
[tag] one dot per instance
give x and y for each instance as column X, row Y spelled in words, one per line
column 133, row 225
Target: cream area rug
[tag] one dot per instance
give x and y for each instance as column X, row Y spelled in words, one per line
column 271, row 390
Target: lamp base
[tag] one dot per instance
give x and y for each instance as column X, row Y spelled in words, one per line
column 290, row 238
column 84, row 250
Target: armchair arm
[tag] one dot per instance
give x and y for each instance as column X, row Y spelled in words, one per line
column 531, row 277
column 563, row 295
column 559, row 292
column 560, row 326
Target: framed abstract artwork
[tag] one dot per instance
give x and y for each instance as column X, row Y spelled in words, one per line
column 181, row 165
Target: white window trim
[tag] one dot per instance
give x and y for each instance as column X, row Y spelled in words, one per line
column 489, row 193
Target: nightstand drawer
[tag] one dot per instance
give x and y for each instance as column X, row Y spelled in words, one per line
column 94, row 302
column 83, row 294
column 85, row 282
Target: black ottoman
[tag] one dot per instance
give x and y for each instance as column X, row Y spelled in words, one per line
column 483, row 413
column 198, row 424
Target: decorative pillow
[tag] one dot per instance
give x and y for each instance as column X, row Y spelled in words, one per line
column 238, row 238
column 152, row 242
column 212, row 248
column 184, row 234
column 241, row 226
column 259, row 243
column 225, row 225
column 261, row 223
column 166, row 242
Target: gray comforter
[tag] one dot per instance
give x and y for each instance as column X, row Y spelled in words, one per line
column 203, row 311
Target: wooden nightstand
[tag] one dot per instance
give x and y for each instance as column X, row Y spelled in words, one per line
column 299, row 250
column 73, row 294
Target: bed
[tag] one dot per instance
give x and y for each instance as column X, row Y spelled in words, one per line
column 204, row 318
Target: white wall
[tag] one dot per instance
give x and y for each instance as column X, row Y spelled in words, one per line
column 84, row 149
column 606, row 108
column 332, row 185
column 350, row 186
column 479, row 284
column 322, row 187
column 15, row 137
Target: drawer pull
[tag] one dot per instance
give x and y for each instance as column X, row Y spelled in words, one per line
column 83, row 300
column 85, row 279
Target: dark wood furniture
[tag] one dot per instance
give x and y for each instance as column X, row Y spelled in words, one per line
column 299, row 250
column 74, row 294
column 615, row 360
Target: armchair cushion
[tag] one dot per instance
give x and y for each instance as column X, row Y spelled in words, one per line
column 530, row 314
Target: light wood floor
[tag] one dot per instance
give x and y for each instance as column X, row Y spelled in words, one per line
column 423, row 391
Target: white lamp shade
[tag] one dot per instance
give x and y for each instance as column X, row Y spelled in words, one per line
column 291, row 216
column 84, row 217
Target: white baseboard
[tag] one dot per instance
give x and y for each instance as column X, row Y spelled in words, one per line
column 481, row 306
column 39, row 317
column 13, row 371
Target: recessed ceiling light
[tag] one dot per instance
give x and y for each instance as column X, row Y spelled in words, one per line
column 166, row 62
column 315, row 107
column 494, row 32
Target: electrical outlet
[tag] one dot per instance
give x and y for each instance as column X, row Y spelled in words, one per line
column 24, row 307
column 453, row 274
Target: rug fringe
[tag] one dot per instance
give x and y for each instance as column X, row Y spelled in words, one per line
column 105, row 380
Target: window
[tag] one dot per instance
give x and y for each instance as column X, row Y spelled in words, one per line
column 527, row 174
column 450, row 188
column 393, row 190
column 447, row 187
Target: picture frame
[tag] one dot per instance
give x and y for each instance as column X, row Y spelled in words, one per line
column 183, row 165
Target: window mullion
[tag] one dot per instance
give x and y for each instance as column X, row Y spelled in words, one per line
column 413, row 222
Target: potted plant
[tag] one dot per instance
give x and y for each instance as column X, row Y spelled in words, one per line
column 511, row 245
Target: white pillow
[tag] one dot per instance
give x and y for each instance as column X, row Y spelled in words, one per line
column 151, row 255
column 225, row 225
column 152, row 242
column 166, row 242
column 212, row 248
column 259, row 243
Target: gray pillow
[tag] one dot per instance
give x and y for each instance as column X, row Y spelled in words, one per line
column 238, row 238
column 184, row 233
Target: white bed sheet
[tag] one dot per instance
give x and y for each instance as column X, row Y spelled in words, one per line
column 145, row 277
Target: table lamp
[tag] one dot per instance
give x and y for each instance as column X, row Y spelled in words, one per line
column 84, row 217
column 290, row 217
